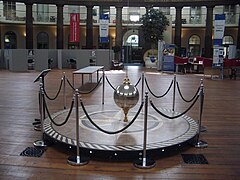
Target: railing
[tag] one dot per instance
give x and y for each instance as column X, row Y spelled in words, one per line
column 50, row 16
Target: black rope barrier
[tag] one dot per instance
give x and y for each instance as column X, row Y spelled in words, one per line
column 60, row 87
column 184, row 98
column 110, row 84
column 81, row 92
column 138, row 82
column 70, row 84
column 49, row 115
column 173, row 117
column 158, row 96
column 112, row 132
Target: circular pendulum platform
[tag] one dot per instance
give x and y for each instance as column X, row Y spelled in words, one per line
column 162, row 134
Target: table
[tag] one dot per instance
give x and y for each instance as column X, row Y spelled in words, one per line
column 88, row 70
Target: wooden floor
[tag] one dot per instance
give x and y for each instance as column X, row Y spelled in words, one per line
column 19, row 107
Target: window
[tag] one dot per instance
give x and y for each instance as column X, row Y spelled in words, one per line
column 229, row 12
column 9, row 10
column 43, row 12
column 42, row 40
column 10, row 40
column 195, row 15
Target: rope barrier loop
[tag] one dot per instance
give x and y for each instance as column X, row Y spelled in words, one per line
column 59, row 89
column 174, row 117
column 111, row 132
column 82, row 92
column 184, row 99
column 49, row 115
column 158, row 96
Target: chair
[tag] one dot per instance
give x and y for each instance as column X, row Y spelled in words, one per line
column 116, row 65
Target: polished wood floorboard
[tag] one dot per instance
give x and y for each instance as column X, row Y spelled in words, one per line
column 19, row 108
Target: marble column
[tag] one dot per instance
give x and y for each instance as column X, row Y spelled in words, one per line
column 178, row 30
column 238, row 34
column 60, row 41
column 118, row 41
column 89, row 28
column 208, row 48
column 29, row 26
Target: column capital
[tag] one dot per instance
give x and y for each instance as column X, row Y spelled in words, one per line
column 89, row 6
column 28, row 3
column 210, row 6
column 179, row 7
column 118, row 6
column 59, row 4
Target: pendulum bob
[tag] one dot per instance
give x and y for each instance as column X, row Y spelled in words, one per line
column 126, row 96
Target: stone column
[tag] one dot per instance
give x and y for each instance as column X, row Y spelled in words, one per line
column 29, row 26
column 238, row 34
column 208, row 33
column 118, row 41
column 60, row 26
column 89, row 28
column 178, row 30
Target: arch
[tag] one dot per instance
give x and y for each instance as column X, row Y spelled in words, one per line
column 131, row 38
column 132, row 51
column 194, row 44
column 10, row 40
column 42, row 40
column 194, row 39
column 228, row 40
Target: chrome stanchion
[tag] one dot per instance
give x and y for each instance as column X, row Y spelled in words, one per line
column 103, row 90
column 174, row 92
column 37, row 122
column 203, row 128
column 143, row 78
column 145, row 163
column 64, row 90
column 77, row 160
column 41, row 143
column 200, row 143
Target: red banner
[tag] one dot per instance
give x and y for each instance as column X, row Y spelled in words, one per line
column 74, row 27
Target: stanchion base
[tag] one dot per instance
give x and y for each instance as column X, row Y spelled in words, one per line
column 150, row 163
column 40, row 144
column 203, row 129
column 201, row 144
column 76, row 161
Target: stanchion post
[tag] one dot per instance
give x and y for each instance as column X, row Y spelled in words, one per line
column 143, row 78
column 77, row 160
column 203, row 128
column 174, row 92
column 64, row 90
column 103, row 90
column 145, row 163
column 41, row 143
column 200, row 143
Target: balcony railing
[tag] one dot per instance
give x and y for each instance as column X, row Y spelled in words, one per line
column 18, row 16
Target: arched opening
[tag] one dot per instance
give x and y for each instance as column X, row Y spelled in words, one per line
column 42, row 40
column 10, row 40
column 132, row 52
column 194, row 45
column 227, row 40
